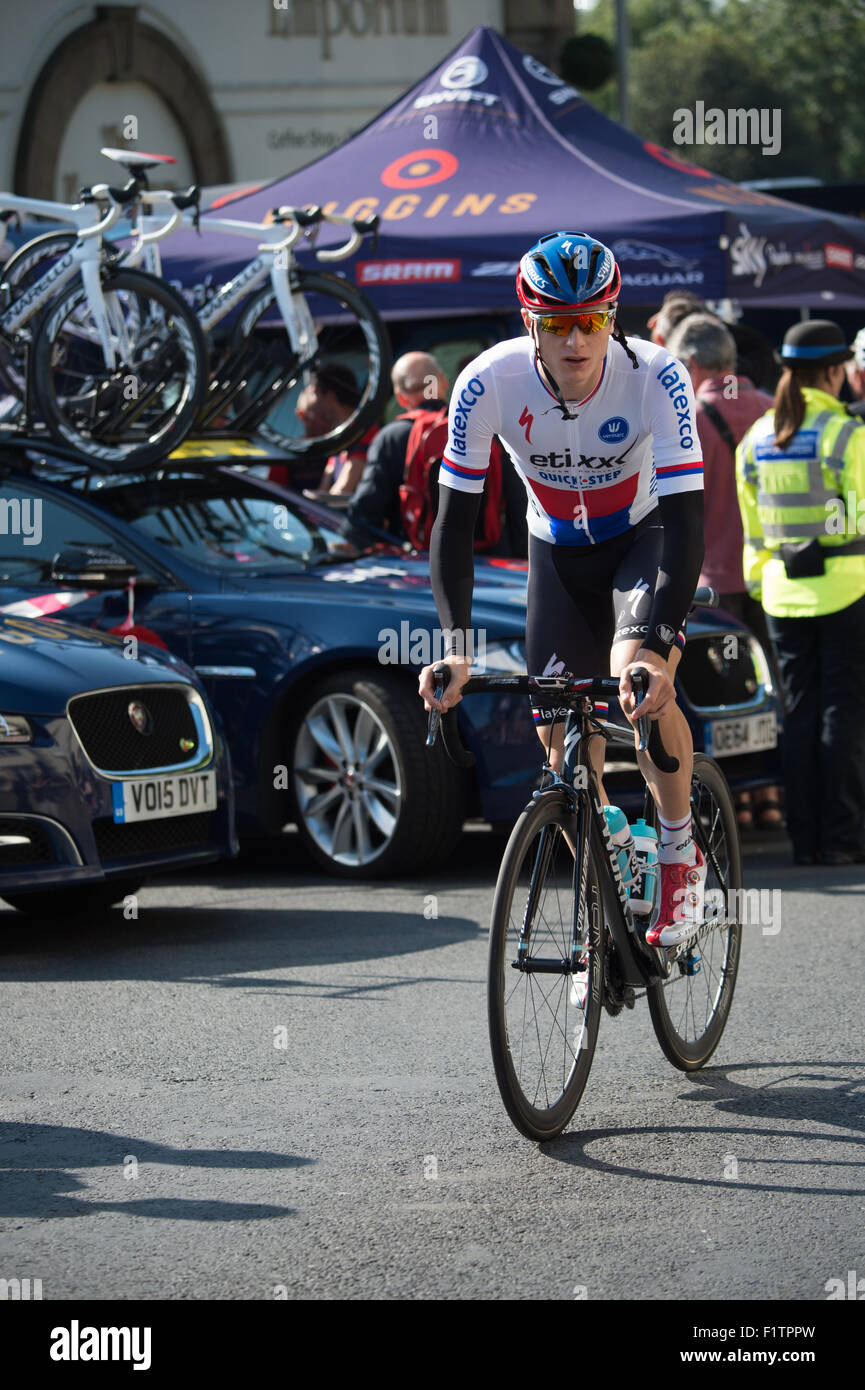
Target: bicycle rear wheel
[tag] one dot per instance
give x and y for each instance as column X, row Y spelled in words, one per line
column 341, row 329
column 690, row 1010
column 542, row 1037
column 135, row 414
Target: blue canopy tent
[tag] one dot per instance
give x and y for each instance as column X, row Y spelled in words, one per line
column 491, row 150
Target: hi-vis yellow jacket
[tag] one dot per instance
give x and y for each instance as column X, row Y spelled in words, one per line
column 815, row 488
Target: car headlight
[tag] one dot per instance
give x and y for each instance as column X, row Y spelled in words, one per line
column 762, row 669
column 15, row 729
column 507, row 658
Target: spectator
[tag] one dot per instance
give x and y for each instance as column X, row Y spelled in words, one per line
column 677, row 305
column 727, row 406
column 855, row 369
column 325, row 403
column 792, row 467
column 418, row 381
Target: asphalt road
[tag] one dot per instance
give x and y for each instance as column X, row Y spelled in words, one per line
column 270, row 1085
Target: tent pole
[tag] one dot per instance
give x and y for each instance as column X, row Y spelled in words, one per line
column 622, row 61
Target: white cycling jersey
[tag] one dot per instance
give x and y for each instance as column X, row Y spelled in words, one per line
column 591, row 478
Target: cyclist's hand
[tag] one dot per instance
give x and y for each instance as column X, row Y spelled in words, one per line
column 460, row 669
column 661, row 693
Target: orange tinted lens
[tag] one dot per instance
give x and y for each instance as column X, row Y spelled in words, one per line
column 561, row 324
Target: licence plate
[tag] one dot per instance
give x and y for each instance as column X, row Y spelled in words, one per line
column 149, row 798
column 751, row 734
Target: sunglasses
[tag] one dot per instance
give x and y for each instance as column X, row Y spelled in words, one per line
column 561, row 324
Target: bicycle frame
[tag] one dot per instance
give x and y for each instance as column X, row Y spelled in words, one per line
column 639, row 964
column 83, row 258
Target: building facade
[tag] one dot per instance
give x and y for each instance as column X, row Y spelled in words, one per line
column 237, row 90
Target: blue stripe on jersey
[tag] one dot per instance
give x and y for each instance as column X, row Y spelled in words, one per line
column 600, row 528
column 477, row 473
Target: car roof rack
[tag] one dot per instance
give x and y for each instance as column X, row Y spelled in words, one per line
column 22, row 453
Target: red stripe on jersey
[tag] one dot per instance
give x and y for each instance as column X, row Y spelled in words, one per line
column 464, row 472
column 598, row 501
column 679, row 467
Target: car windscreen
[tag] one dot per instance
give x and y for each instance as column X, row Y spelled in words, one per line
column 222, row 523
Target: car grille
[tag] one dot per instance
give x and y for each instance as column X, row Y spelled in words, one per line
column 113, row 744
column 39, row 850
column 171, row 833
column 717, row 670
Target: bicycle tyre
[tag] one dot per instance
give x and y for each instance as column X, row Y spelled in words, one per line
column 147, row 442
column 355, row 337
column 14, row 274
column 517, row 1054
column 719, row 947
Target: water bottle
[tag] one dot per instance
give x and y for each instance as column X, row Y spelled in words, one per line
column 646, row 883
column 620, row 831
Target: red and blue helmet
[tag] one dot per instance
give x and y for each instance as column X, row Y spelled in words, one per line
column 565, row 272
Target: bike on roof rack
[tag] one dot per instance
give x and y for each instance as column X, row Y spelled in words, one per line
column 284, row 331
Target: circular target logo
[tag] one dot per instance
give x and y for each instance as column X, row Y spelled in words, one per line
column 419, row 169
column 464, row 72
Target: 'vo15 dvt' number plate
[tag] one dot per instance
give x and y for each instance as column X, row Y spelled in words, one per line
column 149, row 798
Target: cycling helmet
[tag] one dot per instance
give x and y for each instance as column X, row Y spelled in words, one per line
column 565, row 272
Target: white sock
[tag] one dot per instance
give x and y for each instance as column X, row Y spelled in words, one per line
column 677, row 844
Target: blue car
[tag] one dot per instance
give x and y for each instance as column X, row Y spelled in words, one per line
column 308, row 639
column 111, row 768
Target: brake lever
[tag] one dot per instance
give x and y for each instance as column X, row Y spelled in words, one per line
column 640, row 684
column 443, row 676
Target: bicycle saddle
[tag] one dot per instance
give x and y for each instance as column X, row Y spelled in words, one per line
column 137, row 160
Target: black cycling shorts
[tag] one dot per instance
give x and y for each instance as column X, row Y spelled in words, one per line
column 583, row 599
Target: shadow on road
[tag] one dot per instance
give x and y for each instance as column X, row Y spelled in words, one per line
column 820, row 1093
column 36, row 1158
column 202, row 945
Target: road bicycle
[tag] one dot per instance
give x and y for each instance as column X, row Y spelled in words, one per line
column 110, row 358
column 282, row 321
column 564, row 941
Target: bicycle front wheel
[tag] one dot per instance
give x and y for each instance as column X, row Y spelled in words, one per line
column 19, row 274
column 690, row 1009
column 135, row 413
column 543, row 1022
column 338, row 328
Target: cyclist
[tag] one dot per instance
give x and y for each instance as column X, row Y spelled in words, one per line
column 603, row 433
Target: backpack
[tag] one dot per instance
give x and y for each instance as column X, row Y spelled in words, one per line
column 418, row 491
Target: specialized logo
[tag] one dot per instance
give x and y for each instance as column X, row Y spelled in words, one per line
column 641, row 587
column 528, row 420
column 469, row 395
column 464, row 72
column 554, row 667
column 614, row 430
column 675, row 388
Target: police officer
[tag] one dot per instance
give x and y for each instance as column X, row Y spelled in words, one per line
column 800, row 474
